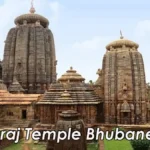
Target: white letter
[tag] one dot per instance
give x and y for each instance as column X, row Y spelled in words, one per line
column 76, row 135
column 90, row 134
column 62, row 135
column 98, row 132
column 2, row 134
column 50, row 134
column 148, row 135
column 28, row 133
column 17, row 136
column 120, row 133
column 36, row 135
column 138, row 135
column 10, row 135
column 107, row 135
column 128, row 137
column 69, row 133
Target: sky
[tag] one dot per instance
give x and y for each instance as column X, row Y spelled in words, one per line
column 83, row 28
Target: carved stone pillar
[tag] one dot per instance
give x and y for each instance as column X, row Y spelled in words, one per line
column 106, row 112
column 143, row 112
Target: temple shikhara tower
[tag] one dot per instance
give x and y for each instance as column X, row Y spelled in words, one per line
column 124, row 83
column 29, row 54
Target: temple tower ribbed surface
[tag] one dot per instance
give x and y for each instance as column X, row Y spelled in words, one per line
column 124, row 83
column 29, row 53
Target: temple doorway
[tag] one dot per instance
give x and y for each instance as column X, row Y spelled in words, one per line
column 24, row 114
column 126, row 118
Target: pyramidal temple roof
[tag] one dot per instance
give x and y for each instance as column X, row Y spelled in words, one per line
column 15, row 87
column 70, row 94
column 71, row 75
column 70, row 89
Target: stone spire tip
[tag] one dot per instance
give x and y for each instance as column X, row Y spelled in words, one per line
column 121, row 36
column 32, row 9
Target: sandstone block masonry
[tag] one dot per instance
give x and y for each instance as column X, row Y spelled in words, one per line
column 29, row 54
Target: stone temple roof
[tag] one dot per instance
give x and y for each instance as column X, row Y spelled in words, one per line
column 18, row 99
column 121, row 42
column 71, row 76
column 70, row 94
column 15, row 87
column 31, row 17
column 7, row 98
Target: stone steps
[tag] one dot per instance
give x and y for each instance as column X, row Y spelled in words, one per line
column 16, row 123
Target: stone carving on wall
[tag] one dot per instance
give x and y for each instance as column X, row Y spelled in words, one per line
column 24, row 22
column 125, row 93
column 100, row 78
column 38, row 23
column 125, row 109
column 19, row 70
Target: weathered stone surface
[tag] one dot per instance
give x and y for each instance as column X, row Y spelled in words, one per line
column 29, row 53
column 124, row 83
column 29, row 56
column 2, row 86
column 17, row 110
column 15, row 87
column 69, row 93
column 70, row 119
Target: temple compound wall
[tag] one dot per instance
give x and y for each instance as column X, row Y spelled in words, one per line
column 17, row 112
column 17, row 109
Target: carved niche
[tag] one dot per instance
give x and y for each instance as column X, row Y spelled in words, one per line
column 125, row 93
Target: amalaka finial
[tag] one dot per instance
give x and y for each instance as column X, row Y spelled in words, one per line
column 121, row 36
column 32, row 9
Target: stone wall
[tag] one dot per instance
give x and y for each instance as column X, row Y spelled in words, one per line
column 10, row 112
column 48, row 114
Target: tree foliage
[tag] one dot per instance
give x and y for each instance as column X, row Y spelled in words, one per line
column 140, row 144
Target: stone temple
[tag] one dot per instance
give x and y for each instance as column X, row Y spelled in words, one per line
column 69, row 93
column 124, row 83
column 31, row 92
column 29, row 53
